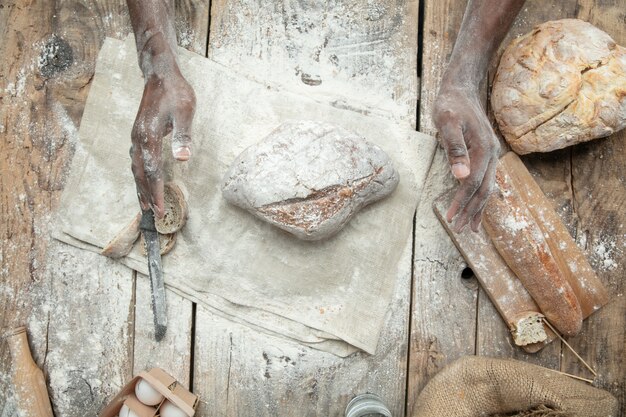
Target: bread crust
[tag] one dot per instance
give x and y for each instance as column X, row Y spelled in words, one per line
column 123, row 242
column 519, row 240
column 561, row 84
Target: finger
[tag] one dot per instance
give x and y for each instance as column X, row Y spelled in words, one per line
column 479, row 213
column 153, row 169
column 474, row 207
column 456, row 150
column 477, row 219
column 143, row 193
column 181, row 136
column 469, row 186
column 148, row 137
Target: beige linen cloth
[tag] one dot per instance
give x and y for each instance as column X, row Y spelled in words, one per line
column 331, row 295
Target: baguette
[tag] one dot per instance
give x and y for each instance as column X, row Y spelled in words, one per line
column 519, row 240
column 576, row 269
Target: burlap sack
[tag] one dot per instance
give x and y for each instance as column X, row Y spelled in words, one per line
column 474, row 386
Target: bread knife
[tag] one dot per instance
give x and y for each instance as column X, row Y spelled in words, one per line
column 155, row 269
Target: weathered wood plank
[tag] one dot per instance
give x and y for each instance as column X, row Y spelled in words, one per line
column 173, row 353
column 586, row 189
column 443, row 320
column 192, row 25
column 442, row 20
column 598, row 184
column 585, row 184
column 77, row 306
column 598, row 175
column 363, row 51
column 100, row 291
column 41, row 109
column 83, row 318
column 443, row 316
column 55, row 101
column 35, row 149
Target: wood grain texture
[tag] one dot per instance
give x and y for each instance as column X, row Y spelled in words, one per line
column 364, row 51
column 83, row 317
column 598, row 178
column 497, row 281
column 533, row 13
column 443, row 314
column 441, row 23
column 173, row 353
column 42, row 103
column 41, row 96
column 85, row 343
column 192, row 25
column 90, row 330
column 442, row 20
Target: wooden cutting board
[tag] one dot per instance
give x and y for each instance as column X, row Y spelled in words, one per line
column 506, row 292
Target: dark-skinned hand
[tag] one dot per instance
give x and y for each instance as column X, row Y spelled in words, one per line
column 167, row 106
column 472, row 149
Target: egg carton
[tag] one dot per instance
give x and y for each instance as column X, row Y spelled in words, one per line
column 164, row 383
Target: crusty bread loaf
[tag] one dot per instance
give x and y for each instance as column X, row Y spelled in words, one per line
column 561, row 84
column 569, row 257
column 309, row 178
column 519, row 240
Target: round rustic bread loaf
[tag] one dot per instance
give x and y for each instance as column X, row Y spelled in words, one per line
column 561, row 84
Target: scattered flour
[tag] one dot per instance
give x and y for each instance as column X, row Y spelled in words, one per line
column 514, row 224
column 325, row 52
column 17, row 88
column 605, row 251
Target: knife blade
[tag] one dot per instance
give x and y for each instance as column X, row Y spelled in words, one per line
column 155, row 269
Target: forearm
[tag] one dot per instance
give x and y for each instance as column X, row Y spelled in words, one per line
column 155, row 36
column 485, row 24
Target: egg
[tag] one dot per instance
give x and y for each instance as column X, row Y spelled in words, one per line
column 127, row 412
column 146, row 393
column 170, row 410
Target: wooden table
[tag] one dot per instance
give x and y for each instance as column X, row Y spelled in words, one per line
column 90, row 318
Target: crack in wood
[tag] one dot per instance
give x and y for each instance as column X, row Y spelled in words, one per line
column 433, row 261
column 230, row 363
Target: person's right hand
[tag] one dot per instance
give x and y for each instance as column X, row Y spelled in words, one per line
column 168, row 105
column 472, row 149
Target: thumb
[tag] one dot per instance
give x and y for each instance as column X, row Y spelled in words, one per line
column 181, row 135
column 454, row 144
